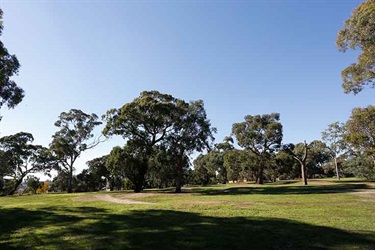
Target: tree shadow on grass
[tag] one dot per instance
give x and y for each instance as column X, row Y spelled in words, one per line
column 321, row 189
column 95, row 228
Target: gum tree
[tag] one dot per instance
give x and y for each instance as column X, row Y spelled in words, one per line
column 10, row 93
column 23, row 158
column 262, row 134
column 359, row 33
column 75, row 135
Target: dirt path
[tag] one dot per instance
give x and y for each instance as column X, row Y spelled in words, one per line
column 109, row 198
column 363, row 191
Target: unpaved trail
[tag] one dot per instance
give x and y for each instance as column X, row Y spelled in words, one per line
column 109, row 198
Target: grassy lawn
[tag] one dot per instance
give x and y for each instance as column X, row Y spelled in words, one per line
column 324, row 215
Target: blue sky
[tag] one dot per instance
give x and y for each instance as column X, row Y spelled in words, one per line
column 240, row 57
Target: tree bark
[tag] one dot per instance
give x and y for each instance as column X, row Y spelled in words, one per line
column 70, row 180
column 337, row 169
column 16, row 185
column 260, row 176
column 303, row 173
column 179, row 176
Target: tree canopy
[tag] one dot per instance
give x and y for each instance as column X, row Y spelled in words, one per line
column 359, row 32
column 20, row 158
column 262, row 134
column 10, row 93
column 154, row 119
column 76, row 131
column 361, row 130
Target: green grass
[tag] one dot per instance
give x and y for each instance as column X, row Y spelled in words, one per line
column 325, row 215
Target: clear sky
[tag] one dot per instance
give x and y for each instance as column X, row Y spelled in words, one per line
column 240, row 57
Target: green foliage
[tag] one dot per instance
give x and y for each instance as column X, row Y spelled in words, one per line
column 204, row 172
column 333, row 137
column 130, row 162
column 32, row 184
column 76, row 129
column 96, row 176
column 359, row 32
column 10, row 93
column 23, row 158
column 360, row 166
column 361, row 130
column 262, row 134
column 156, row 121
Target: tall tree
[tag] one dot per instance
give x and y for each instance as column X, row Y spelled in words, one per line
column 359, row 32
column 130, row 162
column 10, row 93
column 74, row 137
column 333, row 136
column 361, row 131
column 146, row 120
column 262, row 134
column 299, row 153
column 203, row 173
column 311, row 157
column 100, row 174
column 155, row 118
column 192, row 131
column 24, row 158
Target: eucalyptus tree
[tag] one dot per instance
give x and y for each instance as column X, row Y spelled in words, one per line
column 360, row 131
column 311, row 157
column 10, row 93
column 130, row 162
column 203, row 173
column 154, row 119
column 23, row 158
column 191, row 132
column 97, row 173
column 359, row 33
column 262, row 134
column 333, row 136
column 299, row 152
column 75, row 135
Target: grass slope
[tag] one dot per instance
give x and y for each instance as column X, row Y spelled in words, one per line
column 324, row 215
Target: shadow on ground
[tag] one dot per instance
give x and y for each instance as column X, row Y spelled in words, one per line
column 96, row 228
column 321, row 189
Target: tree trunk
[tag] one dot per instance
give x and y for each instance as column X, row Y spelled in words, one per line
column 303, row 173
column 337, row 169
column 16, row 185
column 179, row 174
column 138, row 188
column 260, row 176
column 70, row 180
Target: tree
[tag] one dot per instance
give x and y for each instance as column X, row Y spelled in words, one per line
column 24, row 158
column 145, row 121
column 154, row 119
column 262, row 134
column 361, row 166
column 333, row 136
column 10, row 93
column 286, row 165
column 32, row 184
column 73, row 138
column 130, row 162
column 191, row 132
column 359, row 32
column 100, row 176
column 299, row 153
column 203, row 173
column 360, row 132
column 311, row 157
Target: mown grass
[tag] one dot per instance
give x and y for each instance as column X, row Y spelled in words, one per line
column 325, row 215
